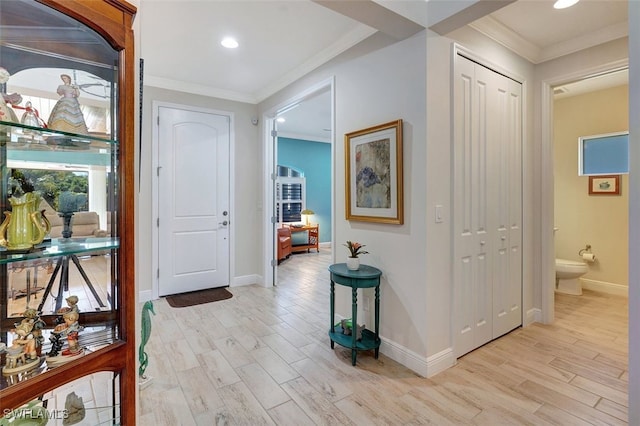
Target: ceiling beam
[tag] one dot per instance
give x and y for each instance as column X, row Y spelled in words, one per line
column 375, row 16
column 465, row 15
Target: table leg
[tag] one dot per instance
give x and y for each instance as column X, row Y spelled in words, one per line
column 332, row 301
column 377, row 318
column 354, row 323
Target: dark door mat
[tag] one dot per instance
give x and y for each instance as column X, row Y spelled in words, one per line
column 198, row 297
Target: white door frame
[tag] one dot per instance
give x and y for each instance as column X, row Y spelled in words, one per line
column 155, row 150
column 547, row 245
column 269, row 168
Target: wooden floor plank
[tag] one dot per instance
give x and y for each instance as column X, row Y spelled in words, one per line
column 264, row 357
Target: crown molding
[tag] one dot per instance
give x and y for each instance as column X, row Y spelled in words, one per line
column 197, row 89
column 590, row 39
column 352, row 38
column 349, row 40
column 508, row 38
column 503, row 35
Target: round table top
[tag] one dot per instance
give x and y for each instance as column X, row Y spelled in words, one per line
column 365, row 271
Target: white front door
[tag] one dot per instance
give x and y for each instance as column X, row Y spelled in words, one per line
column 193, row 200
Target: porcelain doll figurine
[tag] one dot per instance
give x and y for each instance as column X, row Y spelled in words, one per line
column 66, row 114
column 6, row 113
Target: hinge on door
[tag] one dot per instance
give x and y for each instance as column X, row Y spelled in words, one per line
column 274, row 133
column 158, row 222
column 273, row 262
column 158, row 273
column 273, row 219
column 158, row 170
column 158, row 120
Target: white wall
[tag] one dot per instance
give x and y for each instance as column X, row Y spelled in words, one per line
column 371, row 89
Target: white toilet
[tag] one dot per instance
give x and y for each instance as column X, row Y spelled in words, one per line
column 568, row 273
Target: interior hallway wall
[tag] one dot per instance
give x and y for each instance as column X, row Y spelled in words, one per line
column 599, row 220
column 373, row 87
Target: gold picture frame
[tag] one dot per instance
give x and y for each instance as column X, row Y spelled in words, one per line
column 374, row 176
column 604, row 185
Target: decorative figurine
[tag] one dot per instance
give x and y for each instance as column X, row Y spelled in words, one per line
column 145, row 322
column 6, row 113
column 74, row 408
column 67, row 328
column 66, row 114
column 30, row 116
column 22, row 355
column 33, row 325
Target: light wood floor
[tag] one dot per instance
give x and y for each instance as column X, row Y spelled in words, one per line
column 263, row 357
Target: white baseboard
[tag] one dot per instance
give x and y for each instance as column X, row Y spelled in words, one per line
column 605, row 287
column 533, row 315
column 145, row 296
column 425, row 367
column 246, row 280
column 441, row 361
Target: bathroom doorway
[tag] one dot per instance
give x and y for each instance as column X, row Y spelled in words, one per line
column 591, row 106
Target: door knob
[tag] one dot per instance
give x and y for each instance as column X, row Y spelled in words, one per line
column 224, row 223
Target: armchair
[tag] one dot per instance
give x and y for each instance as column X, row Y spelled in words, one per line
column 284, row 243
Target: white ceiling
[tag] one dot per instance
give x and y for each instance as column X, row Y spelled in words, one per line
column 531, row 28
column 538, row 32
column 282, row 40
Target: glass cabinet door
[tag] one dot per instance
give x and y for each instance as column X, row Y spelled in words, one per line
column 60, row 194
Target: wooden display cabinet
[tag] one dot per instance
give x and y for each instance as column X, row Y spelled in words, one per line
column 94, row 39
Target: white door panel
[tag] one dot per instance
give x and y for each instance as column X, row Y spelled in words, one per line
column 193, row 200
column 487, row 200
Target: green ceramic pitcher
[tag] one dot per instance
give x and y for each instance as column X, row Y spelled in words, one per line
column 24, row 226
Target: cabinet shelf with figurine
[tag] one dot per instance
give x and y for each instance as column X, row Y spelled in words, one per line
column 67, row 301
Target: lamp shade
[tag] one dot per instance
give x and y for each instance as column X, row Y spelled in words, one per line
column 306, row 213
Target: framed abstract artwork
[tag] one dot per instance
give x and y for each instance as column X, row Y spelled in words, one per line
column 373, row 159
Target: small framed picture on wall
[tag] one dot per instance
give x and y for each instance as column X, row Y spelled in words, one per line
column 604, row 185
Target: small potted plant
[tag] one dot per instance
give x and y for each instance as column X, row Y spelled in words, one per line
column 355, row 250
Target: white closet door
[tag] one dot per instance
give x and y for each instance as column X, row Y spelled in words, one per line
column 487, row 194
column 507, row 182
column 473, row 304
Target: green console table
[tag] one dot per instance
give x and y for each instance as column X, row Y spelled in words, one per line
column 365, row 277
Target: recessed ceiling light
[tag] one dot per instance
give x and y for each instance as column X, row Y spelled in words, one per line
column 563, row 4
column 280, row 120
column 229, row 42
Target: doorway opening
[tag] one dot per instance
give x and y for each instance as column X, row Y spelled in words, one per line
column 299, row 136
column 547, row 217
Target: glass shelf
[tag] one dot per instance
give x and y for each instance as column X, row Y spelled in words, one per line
column 60, row 247
column 16, row 136
column 91, row 338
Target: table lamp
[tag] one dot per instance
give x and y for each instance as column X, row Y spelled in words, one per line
column 306, row 213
